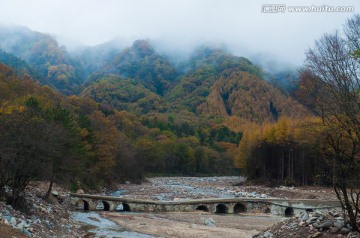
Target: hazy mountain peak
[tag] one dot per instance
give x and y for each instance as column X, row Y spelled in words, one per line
column 143, row 48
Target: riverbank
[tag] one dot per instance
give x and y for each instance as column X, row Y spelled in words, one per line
column 43, row 218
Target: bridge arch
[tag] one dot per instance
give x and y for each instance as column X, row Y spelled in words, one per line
column 106, row 206
column 103, row 205
column 221, row 208
column 126, row 207
column 289, row 211
column 240, row 208
column 202, row 208
column 86, row 205
column 123, row 207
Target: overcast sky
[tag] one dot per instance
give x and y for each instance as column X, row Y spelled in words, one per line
column 182, row 24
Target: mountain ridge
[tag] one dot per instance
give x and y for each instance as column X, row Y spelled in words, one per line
column 211, row 83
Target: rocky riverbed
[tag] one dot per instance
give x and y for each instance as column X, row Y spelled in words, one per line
column 55, row 217
column 312, row 225
column 206, row 224
column 44, row 218
column 173, row 188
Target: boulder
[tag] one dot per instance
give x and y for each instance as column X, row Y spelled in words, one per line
column 293, row 225
column 193, row 226
column 304, row 217
column 344, row 231
column 334, row 230
column 210, row 222
column 317, row 234
column 27, row 233
column 22, row 225
column 268, row 234
column 354, row 234
column 339, row 224
column 311, row 220
column 318, row 214
column 325, row 225
column 12, row 221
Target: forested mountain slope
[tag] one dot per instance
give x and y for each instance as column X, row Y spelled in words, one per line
column 143, row 64
column 74, row 140
column 133, row 111
column 238, row 93
column 50, row 62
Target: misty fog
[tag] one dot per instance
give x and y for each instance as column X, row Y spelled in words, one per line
column 176, row 27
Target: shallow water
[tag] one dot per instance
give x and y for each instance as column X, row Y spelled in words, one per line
column 97, row 226
column 117, row 193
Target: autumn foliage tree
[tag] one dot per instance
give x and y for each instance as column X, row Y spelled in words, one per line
column 330, row 83
column 285, row 152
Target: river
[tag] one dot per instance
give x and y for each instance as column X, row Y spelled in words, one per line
column 96, row 226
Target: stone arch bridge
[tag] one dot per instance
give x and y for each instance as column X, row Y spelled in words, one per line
column 274, row 206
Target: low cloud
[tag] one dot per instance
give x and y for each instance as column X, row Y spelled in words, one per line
column 181, row 25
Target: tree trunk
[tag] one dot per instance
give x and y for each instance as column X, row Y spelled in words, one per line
column 349, row 209
column 49, row 189
column 289, row 166
column 282, row 163
column 302, row 167
column 292, row 164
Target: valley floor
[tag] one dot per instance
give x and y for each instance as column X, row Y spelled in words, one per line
column 196, row 224
column 44, row 217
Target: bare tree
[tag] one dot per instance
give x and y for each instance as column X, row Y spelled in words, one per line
column 22, row 152
column 331, row 79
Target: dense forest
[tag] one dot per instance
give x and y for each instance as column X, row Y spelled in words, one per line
column 111, row 113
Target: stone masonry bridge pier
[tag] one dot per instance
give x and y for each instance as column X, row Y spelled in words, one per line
column 274, row 206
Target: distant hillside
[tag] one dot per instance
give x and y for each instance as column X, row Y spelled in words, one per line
column 218, row 60
column 123, row 94
column 238, row 93
column 20, row 66
column 51, row 63
column 212, row 83
column 94, row 58
column 143, row 64
column 202, row 71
